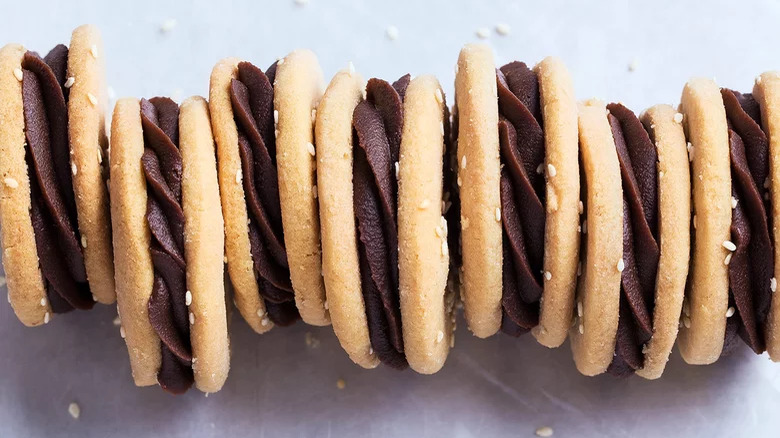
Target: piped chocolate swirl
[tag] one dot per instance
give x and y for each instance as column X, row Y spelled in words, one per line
column 638, row 169
column 522, row 150
column 252, row 99
column 751, row 264
column 53, row 205
column 168, row 313
column 378, row 122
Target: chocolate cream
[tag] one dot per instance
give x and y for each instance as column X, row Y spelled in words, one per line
column 53, row 204
column 521, row 138
column 168, row 313
column 252, row 98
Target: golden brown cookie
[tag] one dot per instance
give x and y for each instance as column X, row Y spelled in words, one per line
column 297, row 90
column 703, row 330
column 423, row 255
column 598, row 293
column 340, row 265
column 561, row 240
column 674, row 194
column 204, row 247
column 767, row 93
column 87, row 104
column 481, row 231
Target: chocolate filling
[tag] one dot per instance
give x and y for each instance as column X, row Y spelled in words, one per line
column 252, row 98
column 521, row 138
column 751, row 265
column 638, row 162
column 378, row 122
column 168, row 313
column 53, row 204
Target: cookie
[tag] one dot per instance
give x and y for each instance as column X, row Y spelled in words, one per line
column 340, row 264
column 702, row 333
column 423, row 253
column 481, row 233
column 674, row 188
column 595, row 325
column 561, row 239
column 297, row 90
column 767, row 92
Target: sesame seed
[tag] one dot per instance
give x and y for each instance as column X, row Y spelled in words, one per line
column 733, row 202
column 686, row 308
column 100, row 155
column 460, row 181
column 314, row 115
column 192, row 318
column 621, row 265
column 694, row 221
column 276, row 116
column 548, row 275
column 766, row 183
column 93, row 51
column 579, row 269
column 69, row 82
column 439, row 232
column 46, row 318
column 74, row 169
column 11, row 182
column 18, row 74
column 74, row 410
column 498, row 214
column 439, row 97
column 314, row 192
column 687, row 322
column 582, row 329
column 279, row 62
column 585, row 226
column 9, row 297
column 43, row 301
column 341, row 384
column 424, row 204
column 239, row 176
column 441, row 127
column 463, row 162
column 581, row 207
column 92, row 99
column 727, row 260
column 84, row 241
column 503, row 29
column 397, row 169
column 264, row 322
column 729, row 245
column 260, row 313
column 579, row 309
column 730, row 311
column 188, row 298
column 545, row 431
column 551, row 170
column 351, row 68
column 773, row 284
column 325, row 304
column 439, row 336
column 445, row 249
column 117, row 321
column 392, row 33
column 310, row 148
column 540, row 168
column 483, row 32
column 370, row 350
column 122, row 332
column 689, row 146
column 678, row 118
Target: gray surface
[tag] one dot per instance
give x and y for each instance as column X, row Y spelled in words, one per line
column 279, row 386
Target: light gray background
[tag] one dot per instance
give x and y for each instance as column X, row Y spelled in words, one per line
column 279, row 386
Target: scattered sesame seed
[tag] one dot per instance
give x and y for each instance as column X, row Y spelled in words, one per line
column 463, row 162
column 276, row 116
column 548, row 275
column 100, row 155
column 260, row 313
column 310, row 148
column 46, row 318
column 545, row 431
column 84, row 241
column 441, row 126
column 733, row 202
column 540, row 168
column 579, row 309
column 69, row 82
column 766, row 182
column 687, row 322
column 689, row 146
column 585, row 226
column 188, row 298
column 439, row 97
column 483, row 33
column 439, row 232
column 439, row 336
column 341, row 384
column 9, row 297
column 678, row 117
column 74, row 410
column 313, row 115
column 18, row 74
column 264, row 322
column 503, row 29
column 621, row 265
column 351, row 68
column 730, row 311
column 582, row 329
column 727, row 260
column 279, row 62
column 117, row 321
column 74, row 169
column 694, row 221
column 239, row 176
column 122, row 332
column 93, row 51
column 325, row 304
column 686, row 307
column 729, row 245
column 579, row 269
column 192, row 318
column 773, row 284
column 314, row 192
column 581, row 207
column 168, row 25
column 460, row 181
column 498, row 214
column 92, row 99
column 397, row 169
column 43, row 301
column 11, row 182
column 392, row 33
column 551, row 172
column 445, row 249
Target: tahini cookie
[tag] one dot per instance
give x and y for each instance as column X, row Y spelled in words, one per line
column 168, row 243
column 54, row 203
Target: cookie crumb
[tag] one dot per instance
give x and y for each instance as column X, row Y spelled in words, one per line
column 74, row 410
column 168, row 25
column 11, row 182
column 188, row 298
column 729, row 245
column 311, row 340
column 503, row 29
column 310, row 148
column 730, row 311
column 69, row 82
column 92, row 99
column 678, row 118
column 545, row 431
column 483, row 33
column 498, row 214
column 621, row 265
column 392, row 33
column 633, row 65
column 93, row 51
column 18, row 74
column 341, row 384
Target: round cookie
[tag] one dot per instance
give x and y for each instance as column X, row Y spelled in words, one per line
column 767, row 92
column 702, row 333
column 423, row 255
column 561, row 240
column 674, row 195
column 87, row 105
column 26, row 289
column 204, row 248
column 598, row 293
column 237, row 248
column 340, row 264
column 297, row 90
column 481, row 231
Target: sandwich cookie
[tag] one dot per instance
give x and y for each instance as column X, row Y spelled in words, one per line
column 168, row 243
column 53, row 197
column 767, row 93
column 519, row 192
column 263, row 126
column 385, row 248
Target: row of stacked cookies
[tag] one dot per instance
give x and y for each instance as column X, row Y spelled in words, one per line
column 365, row 205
